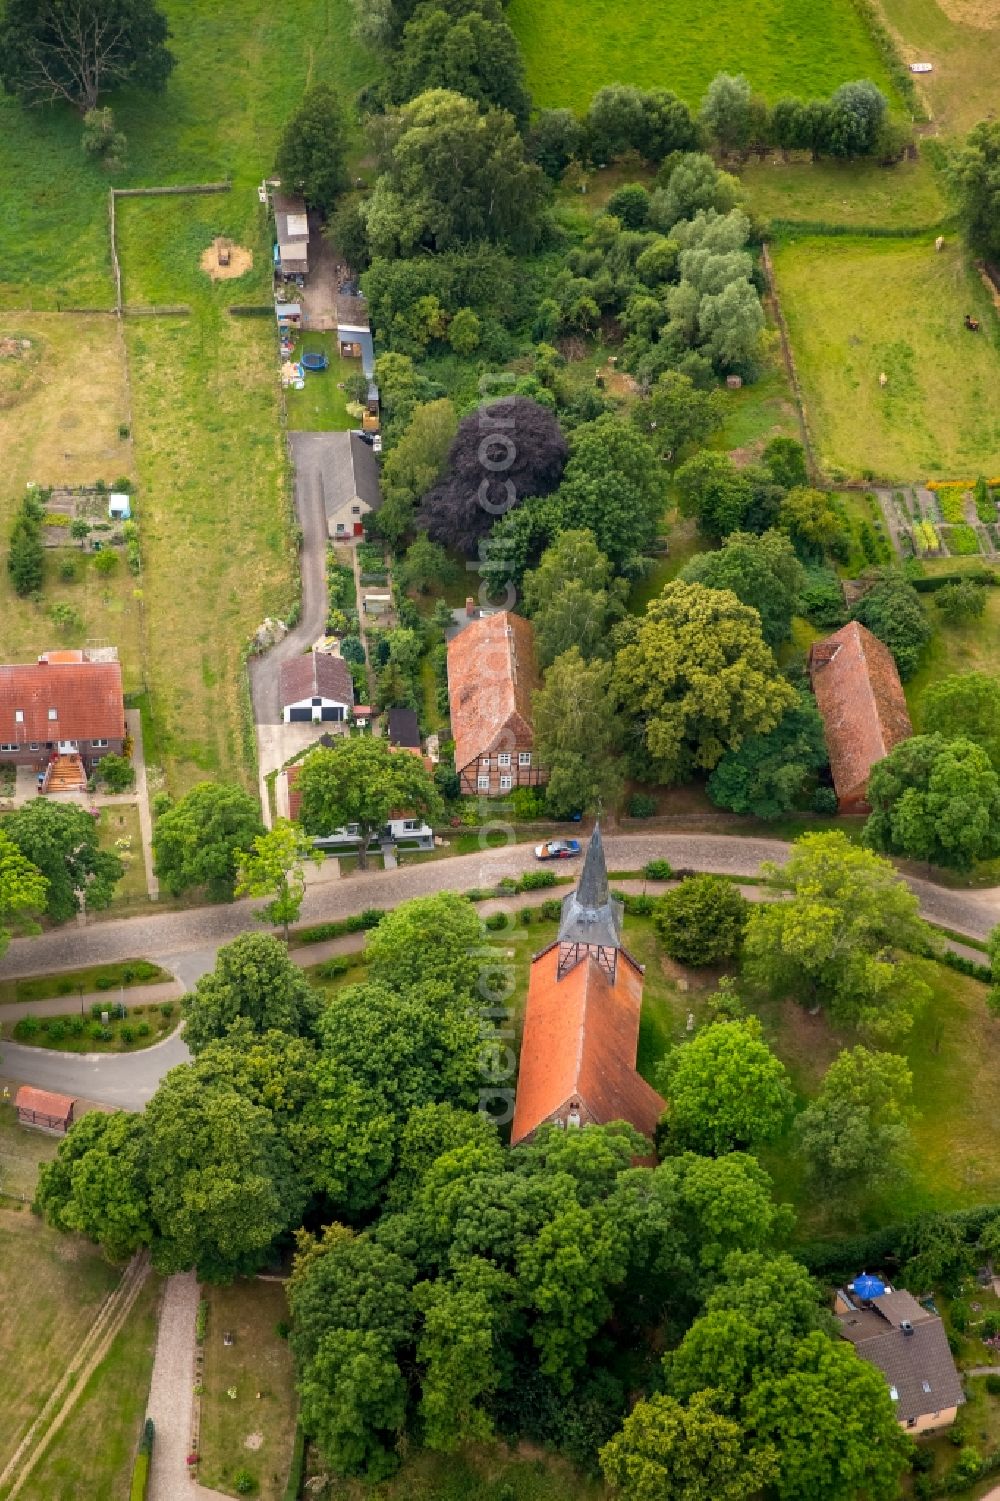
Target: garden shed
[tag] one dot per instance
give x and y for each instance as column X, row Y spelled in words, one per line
column 119, row 507
column 43, row 1110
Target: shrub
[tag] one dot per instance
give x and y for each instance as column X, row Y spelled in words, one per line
column 641, row 805
column 550, row 910
column 658, row 870
column 536, row 880
column 128, row 1034
column 69, row 570
column 143, row 1029
column 526, row 917
column 527, row 804
column 993, row 1384
column 960, row 1315
column 201, row 1321
column 27, row 1028
column 75, row 1026
column 103, row 982
column 638, row 904
column 333, row 968
column 99, row 1032
column 496, row 922
column 824, row 800
column 244, row 1483
column 702, row 920
column 115, row 772
column 167, row 1008
column 57, row 1029
column 106, row 561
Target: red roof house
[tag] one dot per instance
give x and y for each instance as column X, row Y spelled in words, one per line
column 491, row 679
column 47, row 1111
column 63, row 706
column 861, row 701
column 581, row 1024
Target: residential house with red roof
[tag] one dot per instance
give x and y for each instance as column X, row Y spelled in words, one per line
column 861, row 701
column 61, row 714
column 581, row 1022
column 491, row 679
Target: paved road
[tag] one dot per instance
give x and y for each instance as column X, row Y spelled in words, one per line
column 186, row 942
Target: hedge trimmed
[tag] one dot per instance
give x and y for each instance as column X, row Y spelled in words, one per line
column 986, row 577
column 834, row 1260
column 294, row 1486
column 140, row 1477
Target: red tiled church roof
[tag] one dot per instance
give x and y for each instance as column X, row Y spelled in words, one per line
column 862, row 704
column 86, row 696
column 491, row 678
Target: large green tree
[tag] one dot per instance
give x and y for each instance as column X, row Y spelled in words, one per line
column 725, row 1090
column 936, row 800
column 841, row 938
column 61, row 841
column 572, row 597
column 23, row 888
column 811, row 520
column 466, row 46
column 695, row 677
column 274, row 866
column 77, row 50
column 578, row 734
column 975, row 170
column 856, row 1130
column 614, row 487
column 767, row 774
column 667, row 1451
column 200, row 839
column 677, row 414
column 431, row 940
column 255, row 981
column 702, row 921
column 762, row 572
column 362, row 780
column 312, row 152
column 414, row 464
column 712, row 489
column 892, row 611
column 96, row 1184
column 965, row 706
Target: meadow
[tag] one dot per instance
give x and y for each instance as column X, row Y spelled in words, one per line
column 859, row 307
column 862, row 195
column 804, row 47
column 958, row 39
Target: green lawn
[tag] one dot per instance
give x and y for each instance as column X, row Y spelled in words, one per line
column 322, row 405
column 254, row 1429
column 859, row 194
column 240, row 72
column 956, row 648
column 118, row 830
column 807, row 47
column 161, row 242
column 480, row 1473
column 859, row 307
column 21, row 1154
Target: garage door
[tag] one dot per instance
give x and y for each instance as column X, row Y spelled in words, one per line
column 298, row 716
column 335, row 713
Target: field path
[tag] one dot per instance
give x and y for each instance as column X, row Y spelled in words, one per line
column 92, row 1350
column 171, row 1395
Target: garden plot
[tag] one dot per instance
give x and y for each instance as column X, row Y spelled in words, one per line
column 955, row 521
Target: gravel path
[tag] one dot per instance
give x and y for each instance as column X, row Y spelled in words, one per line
column 171, row 1394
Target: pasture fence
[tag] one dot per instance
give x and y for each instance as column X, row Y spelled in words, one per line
column 815, row 473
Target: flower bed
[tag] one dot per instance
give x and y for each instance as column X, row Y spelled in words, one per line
column 925, row 537
column 951, row 500
column 961, row 540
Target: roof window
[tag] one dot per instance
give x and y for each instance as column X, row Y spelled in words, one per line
column 893, row 1393
column 53, row 714
column 18, row 716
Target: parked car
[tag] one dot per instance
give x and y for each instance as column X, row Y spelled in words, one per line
column 557, row 849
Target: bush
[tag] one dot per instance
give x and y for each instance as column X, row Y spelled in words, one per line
column 333, row 968
column 526, row 917
column 106, row 562
column 75, row 1026
column 536, row 880
column 638, row 904
column 550, row 910
column 496, row 922
column 167, row 1008
column 27, row 1028
column 201, row 1321
column 57, row 1029
column 128, row 1034
column 103, row 982
column 641, row 805
column 295, row 1473
column 658, row 870
column 824, row 800
column 527, row 804
column 702, row 921
column 143, row 1029
column 993, row 1384
column 100, row 1033
column 244, row 1483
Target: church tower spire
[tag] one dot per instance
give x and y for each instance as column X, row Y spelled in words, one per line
column 591, row 920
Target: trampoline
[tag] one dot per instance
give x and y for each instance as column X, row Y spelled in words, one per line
column 314, row 362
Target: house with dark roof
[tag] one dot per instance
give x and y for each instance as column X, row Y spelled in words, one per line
column 581, row 1021
column 909, row 1345
column 860, row 699
column 61, row 714
column 291, row 227
column 491, row 679
column 350, row 481
column 315, row 689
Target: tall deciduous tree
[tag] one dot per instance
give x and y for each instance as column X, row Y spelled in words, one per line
column 836, row 941
column 429, row 940
column 702, row 920
column 61, row 841
column 96, row 1185
column 892, row 611
column 725, row 1090
column 23, row 888
column 965, row 706
column 199, row 841
column 695, row 677
column 975, row 170
column 857, row 1128
column 572, row 597
column 936, row 800
column 274, row 866
column 692, row 1452
column 676, row 413
column 312, row 152
column 811, row 520
column 767, row 774
column 578, row 734
column 414, row 465
column 727, row 111
column 254, row 981
column 362, row 780
column 762, row 572
column 715, row 492
column 614, row 487
column 467, row 47
column 77, row 50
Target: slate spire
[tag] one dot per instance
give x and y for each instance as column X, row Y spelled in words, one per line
column 591, row 918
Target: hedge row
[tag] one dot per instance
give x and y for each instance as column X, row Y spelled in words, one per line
column 966, row 966
column 984, row 576
column 294, row 1486
column 358, row 922
column 834, row 1260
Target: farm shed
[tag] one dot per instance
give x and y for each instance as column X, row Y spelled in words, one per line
column 862, row 705
column 291, row 223
column 43, row 1110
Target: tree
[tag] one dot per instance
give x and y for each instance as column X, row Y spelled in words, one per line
column 23, row 888
column 613, row 486
column 253, row 981
column 767, row 774
column 75, row 50
column 702, row 920
column 572, row 597
column 455, row 175
column 695, row 677
column 25, row 558
column 653, row 122
column 811, row 520
column 676, row 414
column 426, row 563
column 312, row 152
column 727, row 111
column 222, row 1187
column 274, row 866
column 61, row 841
column 936, row 800
column 694, row 184
column 832, row 1423
column 975, row 171
column 362, row 780
column 431, row 940
column 957, row 604
column 715, row 492
column 468, row 48
column 965, row 706
column 725, row 1090
column 892, row 611
column 96, row 1184
column 835, row 941
column 555, row 139
column 116, row 772
column 460, row 1347
column 762, row 572
column 503, row 452
column 200, row 840
column 856, row 114
column 578, row 734
column 786, row 460
column 465, row 332
column 684, row 1453
column 856, row 1129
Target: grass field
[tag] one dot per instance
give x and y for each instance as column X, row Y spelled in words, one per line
column 804, row 47
column 908, row 196
column 254, row 1430
column 322, row 406
column 958, row 37
column 956, row 648
column 118, row 822
column 241, row 68
column 482, row 1473
column 856, row 308
column 21, row 1154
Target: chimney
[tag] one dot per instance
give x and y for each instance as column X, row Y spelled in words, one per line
column 470, row 607
column 906, row 1326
